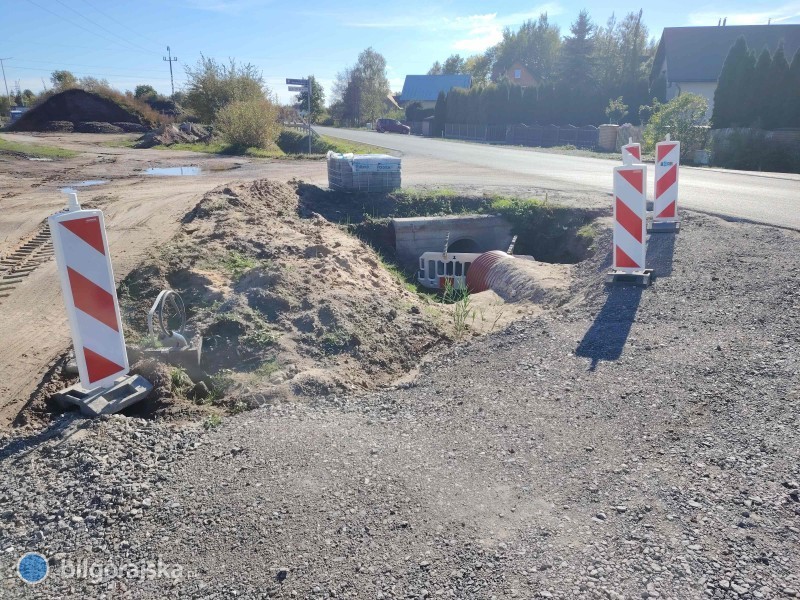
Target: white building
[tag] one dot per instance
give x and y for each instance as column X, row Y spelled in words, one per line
column 691, row 58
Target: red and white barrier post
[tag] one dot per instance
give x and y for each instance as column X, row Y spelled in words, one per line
column 630, row 225
column 631, row 153
column 665, row 199
column 87, row 283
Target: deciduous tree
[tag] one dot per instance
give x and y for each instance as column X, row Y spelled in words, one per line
column 213, row 85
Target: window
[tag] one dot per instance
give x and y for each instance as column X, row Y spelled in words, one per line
column 466, row 267
column 450, row 268
column 459, row 269
column 431, row 269
column 517, row 73
column 440, row 267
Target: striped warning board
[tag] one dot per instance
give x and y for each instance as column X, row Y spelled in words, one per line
column 665, row 200
column 631, row 154
column 630, row 218
column 87, row 283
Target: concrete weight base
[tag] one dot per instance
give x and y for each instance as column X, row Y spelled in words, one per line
column 106, row 401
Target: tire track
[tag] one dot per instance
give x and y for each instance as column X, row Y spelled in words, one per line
column 20, row 263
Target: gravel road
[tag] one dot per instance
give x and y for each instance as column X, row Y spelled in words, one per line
column 630, row 444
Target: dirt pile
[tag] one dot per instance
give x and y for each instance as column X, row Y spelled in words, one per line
column 170, row 134
column 78, row 107
column 287, row 306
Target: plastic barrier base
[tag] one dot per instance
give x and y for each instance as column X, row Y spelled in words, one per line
column 664, row 227
column 641, row 278
column 106, row 401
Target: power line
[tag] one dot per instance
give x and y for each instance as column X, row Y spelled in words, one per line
column 171, row 60
column 58, row 65
column 123, row 25
column 103, row 74
column 78, row 25
column 95, row 23
column 4, row 72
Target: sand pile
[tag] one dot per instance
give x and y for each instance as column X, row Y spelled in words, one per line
column 287, row 306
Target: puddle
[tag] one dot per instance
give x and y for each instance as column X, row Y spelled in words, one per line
column 85, row 183
column 172, row 171
column 40, row 159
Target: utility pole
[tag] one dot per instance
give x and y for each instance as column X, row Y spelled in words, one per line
column 310, row 90
column 171, row 60
column 3, row 67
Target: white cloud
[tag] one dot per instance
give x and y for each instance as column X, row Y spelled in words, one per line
column 472, row 33
column 779, row 14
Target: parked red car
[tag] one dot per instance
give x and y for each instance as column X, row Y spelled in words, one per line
column 392, row 126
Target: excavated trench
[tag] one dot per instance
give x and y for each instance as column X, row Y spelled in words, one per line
column 294, row 293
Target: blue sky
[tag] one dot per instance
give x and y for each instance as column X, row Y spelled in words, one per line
column 124, row 41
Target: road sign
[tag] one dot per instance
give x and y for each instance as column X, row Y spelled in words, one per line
column 297, row 82
column 665, row 202
column 298, row 88
column 630, row 235
column 631, row 154
column 90, row 295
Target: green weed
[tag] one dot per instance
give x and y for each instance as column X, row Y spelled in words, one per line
column 212, row 421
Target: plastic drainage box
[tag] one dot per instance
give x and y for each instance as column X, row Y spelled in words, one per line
column 363, row 172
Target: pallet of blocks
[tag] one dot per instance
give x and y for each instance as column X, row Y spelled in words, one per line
column 363, row 172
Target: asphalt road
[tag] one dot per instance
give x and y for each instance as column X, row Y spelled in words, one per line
column 772, row 198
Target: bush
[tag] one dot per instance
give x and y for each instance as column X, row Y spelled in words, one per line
column 292, row 141
column 249, row 123
column 212, row 86
column 683, row 118
column 752, row 150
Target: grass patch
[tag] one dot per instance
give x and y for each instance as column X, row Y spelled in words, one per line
column 35, row 150
column 291, row 144
column 128, row 143
column 237, row 264
column 225, row 149
column 346, row 146
column 268, row 368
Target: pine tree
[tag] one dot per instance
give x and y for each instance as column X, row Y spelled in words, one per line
column 726, row 96
column 793, row 93
column 758, row 107
column 439, row 114
column 777, row 91
column 576, row 64
column 577, row 86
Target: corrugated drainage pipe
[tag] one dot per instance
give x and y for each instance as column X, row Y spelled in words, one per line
column 480, row 269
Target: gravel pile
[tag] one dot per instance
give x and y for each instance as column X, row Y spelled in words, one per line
column 630, row 444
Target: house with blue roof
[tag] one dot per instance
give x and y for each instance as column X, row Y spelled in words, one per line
column 425, row 88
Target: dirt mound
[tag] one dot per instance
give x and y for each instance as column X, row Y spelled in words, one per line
column 78, row 106
column 97, row 127
column 60, row 126
column 169, row 134
column 287, row 306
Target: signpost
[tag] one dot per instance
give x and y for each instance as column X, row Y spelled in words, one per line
column 303, row 85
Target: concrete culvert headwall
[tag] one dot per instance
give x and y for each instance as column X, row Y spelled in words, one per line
column 519, row 278
column 467, row 233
